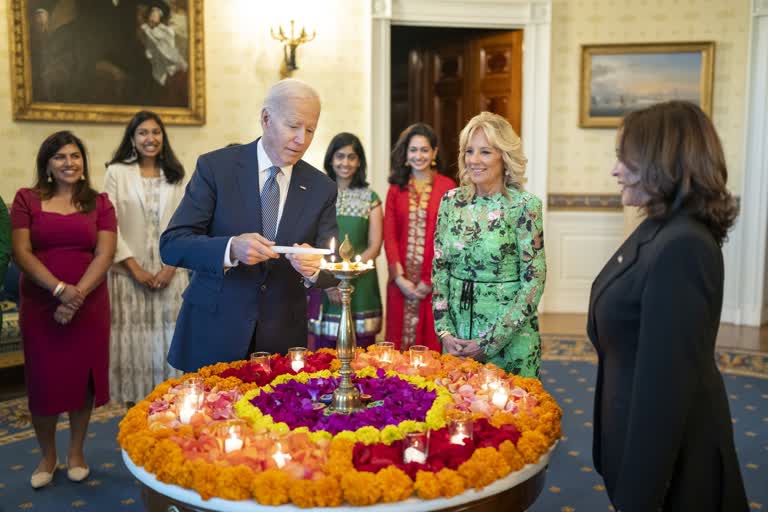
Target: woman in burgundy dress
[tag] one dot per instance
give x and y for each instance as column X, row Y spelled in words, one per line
column 64, row 237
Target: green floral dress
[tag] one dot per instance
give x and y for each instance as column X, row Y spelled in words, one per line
column 488, row 275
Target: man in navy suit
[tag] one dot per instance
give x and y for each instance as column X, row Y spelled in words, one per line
column 241, row 201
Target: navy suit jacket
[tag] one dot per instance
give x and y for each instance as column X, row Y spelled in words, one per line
column 222, row 311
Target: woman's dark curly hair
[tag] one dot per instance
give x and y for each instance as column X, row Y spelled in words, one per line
column 83, row 195
column 675, row 149
column 172, row 168
column 339, row 141
column 400, row 172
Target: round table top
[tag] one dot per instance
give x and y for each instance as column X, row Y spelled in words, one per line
column 412, row 504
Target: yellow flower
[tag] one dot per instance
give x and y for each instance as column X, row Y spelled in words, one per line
column 319, row 435
column 346, row 434
column 390, row 433
column 367, row 435
column 366, row 373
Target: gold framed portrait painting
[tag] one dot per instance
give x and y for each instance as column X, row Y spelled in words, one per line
column 619, row 78
column 101, row 61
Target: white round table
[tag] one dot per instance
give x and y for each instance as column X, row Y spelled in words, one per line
column 513, row 493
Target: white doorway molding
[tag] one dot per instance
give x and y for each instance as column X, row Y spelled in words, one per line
column 532, row 16
column 746, row 251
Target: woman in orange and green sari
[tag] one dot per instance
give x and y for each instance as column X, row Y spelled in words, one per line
column 359, row 216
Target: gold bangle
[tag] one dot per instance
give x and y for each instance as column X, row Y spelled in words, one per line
column 60, row 286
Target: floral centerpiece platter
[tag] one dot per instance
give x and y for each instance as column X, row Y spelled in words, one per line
column 244, row 431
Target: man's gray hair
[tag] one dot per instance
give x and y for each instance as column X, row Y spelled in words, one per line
column 288, row 88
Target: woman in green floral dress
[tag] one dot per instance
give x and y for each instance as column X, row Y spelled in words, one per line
column 359, row 216
column 489, row 268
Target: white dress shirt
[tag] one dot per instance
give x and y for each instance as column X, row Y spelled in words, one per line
column 283, row 179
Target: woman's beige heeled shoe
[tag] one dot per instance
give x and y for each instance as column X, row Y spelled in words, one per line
column 42, row 478
column 78, row 474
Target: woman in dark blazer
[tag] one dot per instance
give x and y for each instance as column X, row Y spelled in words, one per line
column 663, row 438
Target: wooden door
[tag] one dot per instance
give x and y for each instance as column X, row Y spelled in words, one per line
column 451, row 77
column 496, row 76
column 446, row 99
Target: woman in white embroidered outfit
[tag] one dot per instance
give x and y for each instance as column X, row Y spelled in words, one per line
column 144, row 181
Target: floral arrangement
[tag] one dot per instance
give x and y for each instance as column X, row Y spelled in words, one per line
column 268, row 435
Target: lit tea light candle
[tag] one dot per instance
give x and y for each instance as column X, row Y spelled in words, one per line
column 188, row 407
column 419, row 355
column 459, row 437
column 491, row 379
column 281, row 458
column 369, row 263
column 358, row 259
column 416, row 447
column 233, row 442
column 412, row 454
column 500, row 397
column 262, row 361
column 297, row 355
column 460, row 426
column 384, row 350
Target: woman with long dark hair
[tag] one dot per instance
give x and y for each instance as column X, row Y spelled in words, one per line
column 663, row 438
column 64, row 240
column 144, row 179
column 359, row 215
column 416, row 188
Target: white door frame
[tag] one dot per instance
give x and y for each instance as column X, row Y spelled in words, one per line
column 532, row 16
column 746, row 249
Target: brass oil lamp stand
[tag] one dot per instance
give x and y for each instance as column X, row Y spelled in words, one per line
column 346, row 397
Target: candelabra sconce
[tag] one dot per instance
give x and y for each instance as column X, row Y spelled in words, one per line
column 290, row 44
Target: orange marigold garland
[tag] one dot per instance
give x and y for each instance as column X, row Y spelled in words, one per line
column 360, row 488
column 451, row 482
column 271, row 487
column 395, row 485
column 427, row 485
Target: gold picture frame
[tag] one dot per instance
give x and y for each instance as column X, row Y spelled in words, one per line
column 104, row 61
column 619, row 78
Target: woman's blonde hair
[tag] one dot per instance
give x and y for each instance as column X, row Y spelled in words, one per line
column 501, row 136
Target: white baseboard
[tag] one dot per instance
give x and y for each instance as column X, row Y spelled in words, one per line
column 578, row 243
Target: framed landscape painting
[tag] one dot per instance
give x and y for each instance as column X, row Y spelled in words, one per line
column 102, row 60
column 619, row 78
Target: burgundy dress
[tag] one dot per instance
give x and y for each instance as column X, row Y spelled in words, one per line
column 60, row 359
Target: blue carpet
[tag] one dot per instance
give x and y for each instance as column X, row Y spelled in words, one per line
column 572, row 484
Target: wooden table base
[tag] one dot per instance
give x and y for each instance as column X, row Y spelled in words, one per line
column 515, row 499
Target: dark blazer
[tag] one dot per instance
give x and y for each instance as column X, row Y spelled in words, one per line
column 663, row 438
column 222, row 311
